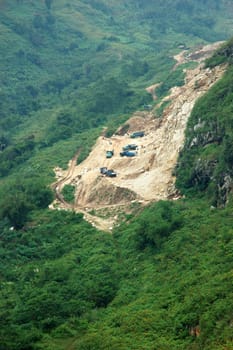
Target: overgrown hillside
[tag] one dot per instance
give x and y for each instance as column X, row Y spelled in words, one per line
column 62, row 62
column 163, row 279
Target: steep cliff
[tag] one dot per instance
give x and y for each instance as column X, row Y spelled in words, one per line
column 206, row 162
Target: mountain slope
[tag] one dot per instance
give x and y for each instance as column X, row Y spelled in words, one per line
column 163, row 278
column 63, row 73
column 209, row 138
column 156, row 154
column 53, row 51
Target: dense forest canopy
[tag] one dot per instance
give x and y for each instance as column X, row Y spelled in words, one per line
column 163, row 279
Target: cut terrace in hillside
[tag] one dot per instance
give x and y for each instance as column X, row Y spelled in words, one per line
column 146, row 177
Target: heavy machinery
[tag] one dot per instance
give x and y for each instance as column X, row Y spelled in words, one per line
column 137, row 134
column 147, row 107
column 109, row 154
column 108, row 172
column 103, row 170
column 128, row 154
column 130, row 147
column 111, row 173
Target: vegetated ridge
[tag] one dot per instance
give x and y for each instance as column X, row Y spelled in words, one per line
column 148, row 176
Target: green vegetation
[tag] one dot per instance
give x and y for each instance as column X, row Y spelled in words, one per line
column 20, row 197
column 163, row 279
column 151, row 284
column 175, row 78
column 68, row 193
column 222, row 55
column 59, row 276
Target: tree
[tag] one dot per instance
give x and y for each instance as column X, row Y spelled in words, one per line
column 16, row 209
column 156, row 224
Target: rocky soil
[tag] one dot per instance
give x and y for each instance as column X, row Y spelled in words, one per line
column 148, row 176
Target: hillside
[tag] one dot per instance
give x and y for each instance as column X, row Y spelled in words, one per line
column 142, row 260
column 156, row 154
column 54, row 52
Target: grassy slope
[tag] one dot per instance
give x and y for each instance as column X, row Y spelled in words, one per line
column 40, row 44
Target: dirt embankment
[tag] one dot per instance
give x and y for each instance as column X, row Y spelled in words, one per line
column 149, row 175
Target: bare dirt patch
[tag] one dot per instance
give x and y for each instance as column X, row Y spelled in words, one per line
column 199, row 54
column 146, row 177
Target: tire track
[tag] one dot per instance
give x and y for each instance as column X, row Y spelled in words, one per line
column 58, row 185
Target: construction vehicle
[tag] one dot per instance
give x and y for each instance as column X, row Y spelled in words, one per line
column 147, row 107
column 108, row 172
column 103, row 170
column 137, row 134
column 130, row 147
column 111, row 173
column 109, row 154
column 128, row 154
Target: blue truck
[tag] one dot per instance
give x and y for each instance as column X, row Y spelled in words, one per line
column 137, row 134
column 128, row 154
column 108, row 172
column 130, row 147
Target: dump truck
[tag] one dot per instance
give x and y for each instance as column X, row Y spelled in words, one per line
column 137, row 134
column 109, row 154
column 108, row 172
column 130, row 147
column 111, row 173
column 103, row 170
column 128, row 154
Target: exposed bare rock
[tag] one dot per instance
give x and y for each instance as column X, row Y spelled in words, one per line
column 224, row 188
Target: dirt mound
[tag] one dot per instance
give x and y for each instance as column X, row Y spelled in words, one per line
column 139, row 121
column 102, row 193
